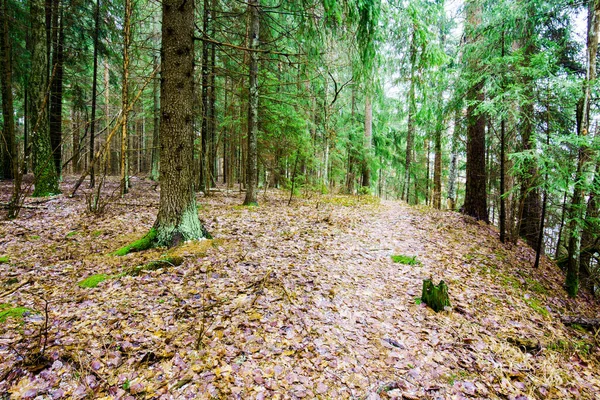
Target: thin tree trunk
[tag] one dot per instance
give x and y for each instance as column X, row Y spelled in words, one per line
column 366, row 169
column 576, row 214
column 412, row 110
column 94, row 92
column 453, row 162
column 125, row 100
column 252, row 161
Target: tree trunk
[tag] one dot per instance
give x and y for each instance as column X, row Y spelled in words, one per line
column 366, row 169
column 204, row 128
column 572, row 281
column 94, row 93
column 56, row 93
column 46, row 178
column 125, row 100
column 252, row 160
column 475, row 189
column 177, row 218
column 412, row 111
column 453, row 162
column 8, row 144
column 437, row 170
column 154, row 163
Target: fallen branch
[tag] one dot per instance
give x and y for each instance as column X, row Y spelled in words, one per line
column 587, row 323
column 11, row 291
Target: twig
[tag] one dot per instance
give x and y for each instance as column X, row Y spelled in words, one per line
column 11, row 291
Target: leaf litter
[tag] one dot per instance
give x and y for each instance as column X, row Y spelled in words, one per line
column 295, row 302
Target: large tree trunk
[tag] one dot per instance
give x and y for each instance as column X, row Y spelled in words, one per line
column 204, row 175
column 475, row 190
column 57, row 84
column 252, row 161
column 572, row 281
column 8, row 144
column 94, row 93
column 177, row 218
column 46, row 178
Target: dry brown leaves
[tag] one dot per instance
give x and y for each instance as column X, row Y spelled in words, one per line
column 288, row 302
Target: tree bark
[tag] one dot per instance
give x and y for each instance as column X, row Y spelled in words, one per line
column 125, row 100
column 177, row 218
column 56, row 93
column 252, row 160
column 475, row 190
column 8, row 144
column 412, row 110
column 94, row 93
column 451, row 196
column 46, row 178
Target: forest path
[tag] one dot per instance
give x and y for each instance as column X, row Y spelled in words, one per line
column 288, row 302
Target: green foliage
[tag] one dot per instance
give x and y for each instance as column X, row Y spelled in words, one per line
column 93, row 281
column 402, row 259
column 4, row 259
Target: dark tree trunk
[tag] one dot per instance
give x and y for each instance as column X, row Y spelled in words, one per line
column 204, row 128
column 453, row 162
column 46, row 179
column 125, row 100
column 177, row 218
column 252, row 160
column 8, row 144
column 94, row 93
column 412, row 111
column 57, row 85
column 475, row 190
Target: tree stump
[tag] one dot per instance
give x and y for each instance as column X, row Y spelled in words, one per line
column 435, row 296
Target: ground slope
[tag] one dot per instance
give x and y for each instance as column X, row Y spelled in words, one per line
column 300, row 301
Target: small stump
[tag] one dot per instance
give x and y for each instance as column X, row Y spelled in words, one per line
column 435, row 296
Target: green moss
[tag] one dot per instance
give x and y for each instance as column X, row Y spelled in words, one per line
column 7, row 311
column 96, row 233
column 402, row 259
column 10, row 281
column 93, row 281
column 578, row 346
column 72, row 233
column 173, row 261
column 535, row 286
column 537, row 306
column 139, row 245
column 34, row 237
column 4, row 259
column 508, row 280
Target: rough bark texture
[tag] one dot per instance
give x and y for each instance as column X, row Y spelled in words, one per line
column 46, row 179
column 252, row 161
column 435, row 296
column 475, row 190
column 56, row 93
column 177, row 218
column 8, row 144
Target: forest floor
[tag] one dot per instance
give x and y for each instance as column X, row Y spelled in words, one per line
column 289, row 302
